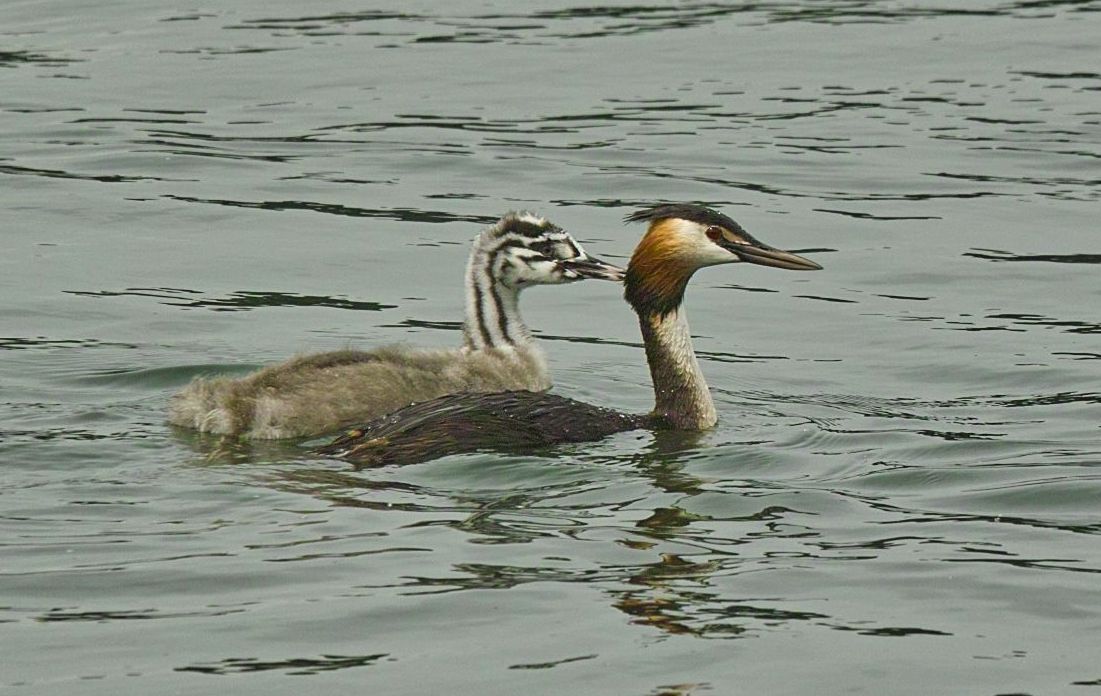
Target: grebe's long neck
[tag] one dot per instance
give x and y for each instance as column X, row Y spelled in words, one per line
column 656, row 280
column 492, row 309
column 681, row 396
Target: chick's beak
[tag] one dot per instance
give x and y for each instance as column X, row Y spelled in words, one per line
column 591, row 267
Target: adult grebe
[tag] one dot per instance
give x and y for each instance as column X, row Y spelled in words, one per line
column 318, row 393
column 681, row 239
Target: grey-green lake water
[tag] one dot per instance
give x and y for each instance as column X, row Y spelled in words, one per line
column 903, row 494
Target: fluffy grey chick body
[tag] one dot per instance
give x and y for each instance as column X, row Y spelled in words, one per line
column 317, row 393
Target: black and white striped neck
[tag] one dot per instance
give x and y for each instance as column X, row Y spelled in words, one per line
column 493, row 318
column 492, row 312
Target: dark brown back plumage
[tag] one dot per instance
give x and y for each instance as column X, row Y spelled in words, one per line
column 458, row 423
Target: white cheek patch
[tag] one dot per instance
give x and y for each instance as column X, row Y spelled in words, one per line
column 695, row 245
column 715, row 255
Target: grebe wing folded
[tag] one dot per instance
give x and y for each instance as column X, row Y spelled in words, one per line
column 468, row 422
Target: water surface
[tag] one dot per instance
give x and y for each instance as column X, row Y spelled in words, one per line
column 902, row 495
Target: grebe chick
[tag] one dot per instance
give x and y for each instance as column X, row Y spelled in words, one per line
column 318, row 393
column 680, row 240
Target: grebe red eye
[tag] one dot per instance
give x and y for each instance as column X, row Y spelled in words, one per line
column 714, row 233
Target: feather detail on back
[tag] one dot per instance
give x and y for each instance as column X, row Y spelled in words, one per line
column 315, row 394
column 458, row 423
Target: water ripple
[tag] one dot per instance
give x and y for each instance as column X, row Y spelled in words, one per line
column 291, row 666
column 242, row 300
column 404, row 215
column 907, row 455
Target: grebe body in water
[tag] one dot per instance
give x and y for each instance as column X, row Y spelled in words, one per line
column 681, row 239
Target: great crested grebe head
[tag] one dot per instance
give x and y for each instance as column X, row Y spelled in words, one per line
column 523, row 249
column 683, row 238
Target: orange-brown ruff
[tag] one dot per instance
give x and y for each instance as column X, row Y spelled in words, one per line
column 659, row 270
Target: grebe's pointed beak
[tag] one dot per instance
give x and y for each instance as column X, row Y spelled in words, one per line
column 764, row 255
column 750, row 250
column 586, row 266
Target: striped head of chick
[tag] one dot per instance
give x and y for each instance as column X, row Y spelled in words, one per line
column 523, row 250
column 683, row 238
